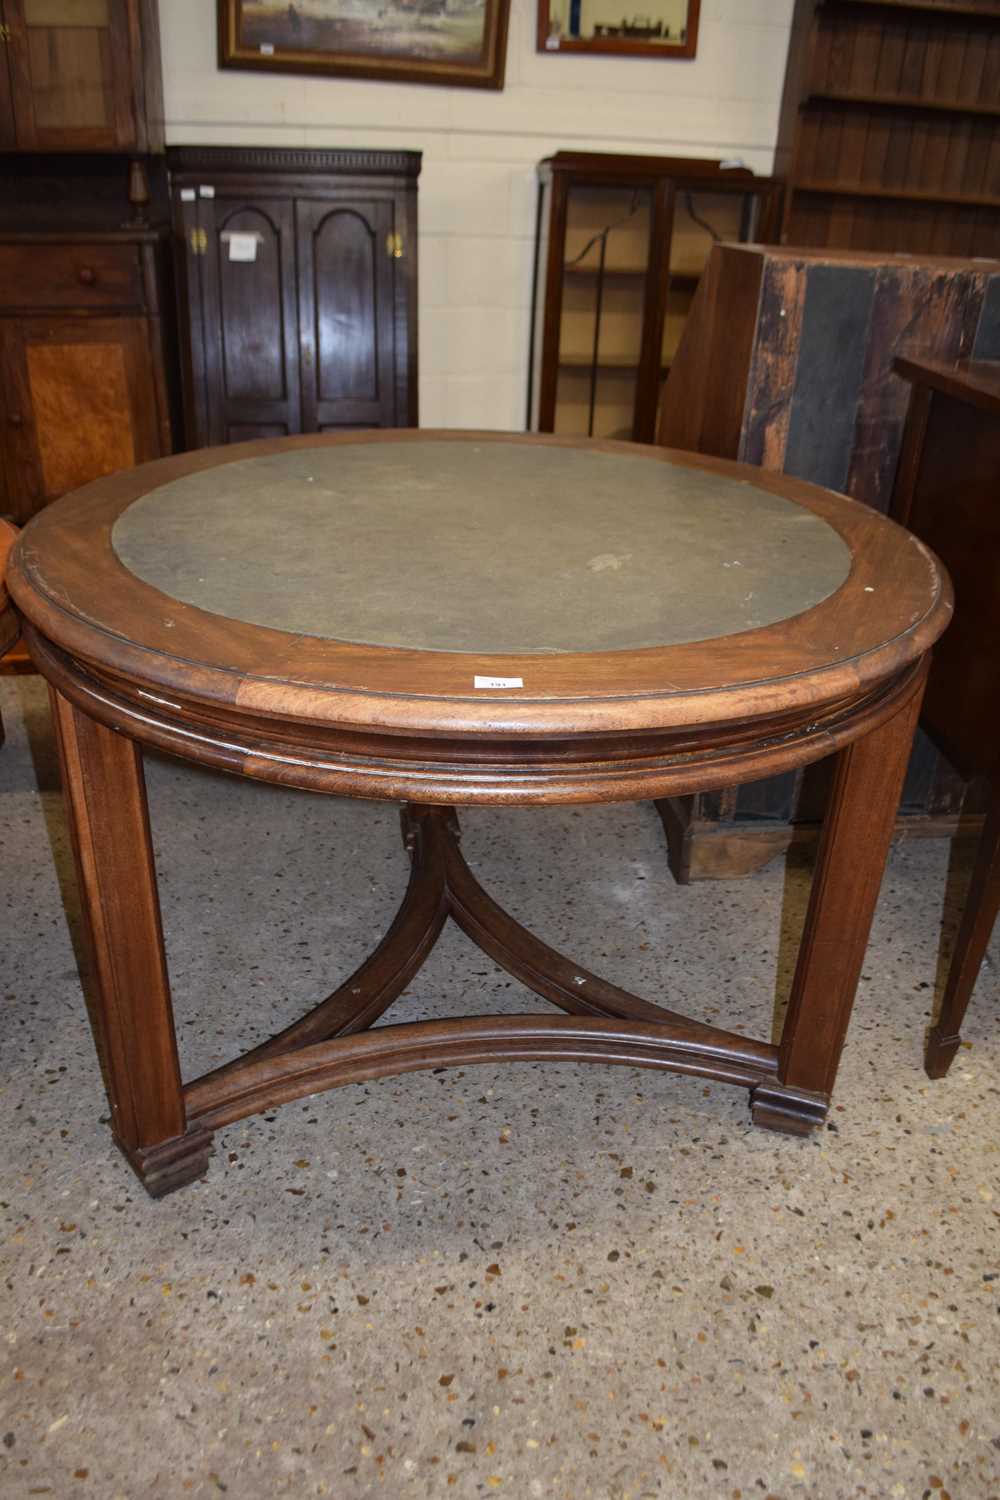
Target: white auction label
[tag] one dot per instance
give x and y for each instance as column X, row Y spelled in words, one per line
column 497, row 682
column 267, row 49
column 242, row 247
column 207, row 190
column 188, row 195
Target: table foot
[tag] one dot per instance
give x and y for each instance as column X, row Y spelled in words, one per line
column 790, row 1111
column 940, row 1053
column 971, row 941
column 170, row 1164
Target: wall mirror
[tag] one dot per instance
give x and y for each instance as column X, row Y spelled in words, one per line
column 658, row 28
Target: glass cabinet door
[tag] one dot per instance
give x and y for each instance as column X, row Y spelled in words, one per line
column 70, row 68
column 617, row 267
column 605, row 270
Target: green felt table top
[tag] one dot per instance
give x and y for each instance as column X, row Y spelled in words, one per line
column 485, row 547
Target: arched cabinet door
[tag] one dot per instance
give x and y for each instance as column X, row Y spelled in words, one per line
column 347, row 258
column 250, row 344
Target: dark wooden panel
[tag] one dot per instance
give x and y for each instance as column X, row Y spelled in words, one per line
column 345, row 251
column 914, row 311
column 953, row 508
column 831, row 359
column 244, row 432
column 890, row 127
column 771, row 378
column 250, row 311
column 249, row 319
column 987, row 341
column 345, row 292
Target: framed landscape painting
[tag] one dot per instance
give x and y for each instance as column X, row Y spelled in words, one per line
column 452, row 42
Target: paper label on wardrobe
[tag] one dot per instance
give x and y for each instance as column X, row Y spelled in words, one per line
column 242, row 247
column 497, row 682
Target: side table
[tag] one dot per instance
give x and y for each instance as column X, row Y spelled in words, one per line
column 947, row 492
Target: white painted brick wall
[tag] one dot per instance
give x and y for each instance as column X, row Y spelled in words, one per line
column 477, row 188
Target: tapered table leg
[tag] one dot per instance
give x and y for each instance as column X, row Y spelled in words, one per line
column 130, row 1009
column 978, row 917
column 853, row 847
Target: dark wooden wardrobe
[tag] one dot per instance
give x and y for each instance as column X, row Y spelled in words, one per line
column 298, row 300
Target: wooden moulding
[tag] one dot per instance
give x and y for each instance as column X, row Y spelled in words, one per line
column 541, row 771
column 219, row 674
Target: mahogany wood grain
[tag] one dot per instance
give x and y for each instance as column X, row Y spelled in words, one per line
column 134, row 1031
column 130, row 666
column 979, row 914
column 946, row 490
column 9, row 626
column 855, row 841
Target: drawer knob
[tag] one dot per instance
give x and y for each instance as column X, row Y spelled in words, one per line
column 15, row 419
column 86, row 276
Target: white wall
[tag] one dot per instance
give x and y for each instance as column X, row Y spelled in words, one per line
column 477, row 188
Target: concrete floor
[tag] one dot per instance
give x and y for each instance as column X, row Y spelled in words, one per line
column 536, row 1281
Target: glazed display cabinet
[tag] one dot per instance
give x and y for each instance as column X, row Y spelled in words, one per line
column 621, row 245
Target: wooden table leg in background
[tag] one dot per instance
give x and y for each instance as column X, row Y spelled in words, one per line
column 857, row 831
column 978, row 917
column 130, row 1007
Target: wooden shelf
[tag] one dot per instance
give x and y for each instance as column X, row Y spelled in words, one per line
column 900, row 101
column 901, row 195
column 621, row 364
column 632, row 273
column 925, row 7
column 625, row 272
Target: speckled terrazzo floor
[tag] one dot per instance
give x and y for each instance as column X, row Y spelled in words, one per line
column 562, row 1281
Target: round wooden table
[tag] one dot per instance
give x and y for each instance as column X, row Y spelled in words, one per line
column 447, row 619
column 10, row 628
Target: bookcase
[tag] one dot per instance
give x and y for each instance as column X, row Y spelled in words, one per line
column 888, row 133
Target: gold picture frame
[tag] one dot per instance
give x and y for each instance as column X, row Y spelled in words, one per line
column 456, row 43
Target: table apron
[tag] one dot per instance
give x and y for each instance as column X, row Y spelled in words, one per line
column 471, row 771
